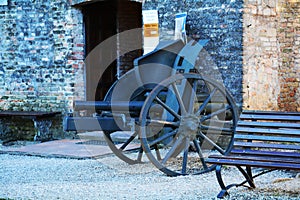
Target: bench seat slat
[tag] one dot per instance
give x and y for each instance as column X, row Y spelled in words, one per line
column 263, row 139
column 266, row 138
column 260, row 112
column 268, row 124
column 270, row 117
column 258, row 158
column 268, row 131
column 271, row 165
column 264, row 145
column 290, row 154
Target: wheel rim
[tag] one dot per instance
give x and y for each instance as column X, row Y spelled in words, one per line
column 128, row 148
column 183, row 120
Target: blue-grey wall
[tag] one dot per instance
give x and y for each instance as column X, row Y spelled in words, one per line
column 220, row 21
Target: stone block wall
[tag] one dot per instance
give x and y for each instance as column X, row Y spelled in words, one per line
column 41, row 53
column 260, row 56
column 41, row 57
column 218, row 21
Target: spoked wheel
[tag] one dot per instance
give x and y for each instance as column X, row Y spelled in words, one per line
column 125, row 145
column 184, row 119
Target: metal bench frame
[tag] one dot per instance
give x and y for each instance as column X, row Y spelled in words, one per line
column 263, row 139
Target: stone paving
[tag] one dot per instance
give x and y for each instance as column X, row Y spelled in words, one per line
column 61, row 148
column 83, row 148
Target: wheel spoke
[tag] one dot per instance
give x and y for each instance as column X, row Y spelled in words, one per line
column 140, row 155
column 158, row 156
column 207, row 100
column 192, row 96
column 197, row 102
column 199, row 151
column 182, row 106
column 161, row 123
column 185, row 156
column 163, row 137
column 209, row 116
column 131, row 138
column 218, row 148
column 214, row 128
column 170, row 110
column 172, row 150
column 120, row 152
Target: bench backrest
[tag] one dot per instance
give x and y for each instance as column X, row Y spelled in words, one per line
column 268, row 133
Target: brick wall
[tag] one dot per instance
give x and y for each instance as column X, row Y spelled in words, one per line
column 289, row 57
column 41, row 53
column 41, row 50
column 271, row 55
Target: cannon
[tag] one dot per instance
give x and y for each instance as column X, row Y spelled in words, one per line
column 163, row 111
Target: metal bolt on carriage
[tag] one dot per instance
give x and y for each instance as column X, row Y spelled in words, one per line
column 163, row 111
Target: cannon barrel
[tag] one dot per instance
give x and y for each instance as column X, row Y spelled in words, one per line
column 108, row 105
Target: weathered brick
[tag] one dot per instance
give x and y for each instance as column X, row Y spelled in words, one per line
column 279, row 36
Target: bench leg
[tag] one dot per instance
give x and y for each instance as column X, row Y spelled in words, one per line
column 251, row 180
column 246, row 173
column 42, row 127
column 224, row 191
column 248, row 176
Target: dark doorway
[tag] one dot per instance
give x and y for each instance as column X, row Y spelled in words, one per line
column 102, row 20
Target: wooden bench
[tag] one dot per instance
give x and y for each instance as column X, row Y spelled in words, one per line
column 41, row 121
column 267, row 140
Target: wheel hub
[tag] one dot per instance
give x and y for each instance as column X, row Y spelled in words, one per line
column 189, row 126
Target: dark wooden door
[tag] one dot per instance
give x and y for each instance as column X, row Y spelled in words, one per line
column 100, row 24
column 103, row 20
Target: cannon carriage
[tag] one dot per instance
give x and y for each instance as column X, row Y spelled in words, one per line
column 163, row 111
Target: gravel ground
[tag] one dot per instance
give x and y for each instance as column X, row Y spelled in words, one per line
column 29, row 177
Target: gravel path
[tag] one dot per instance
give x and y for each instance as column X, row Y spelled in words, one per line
column 29, row 177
